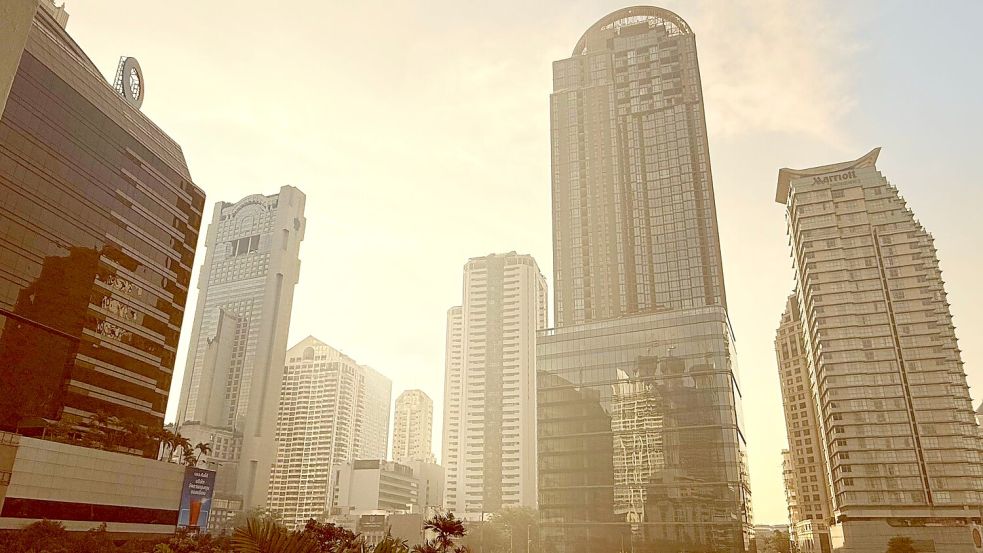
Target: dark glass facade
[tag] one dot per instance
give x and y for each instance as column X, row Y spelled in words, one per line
column 640, row 439
column 99, row 220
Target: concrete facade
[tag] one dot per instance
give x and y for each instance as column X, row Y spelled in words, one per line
column 898, row 437
column 490, row 443
column 365, row 486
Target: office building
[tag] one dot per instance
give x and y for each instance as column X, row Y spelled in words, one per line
column 99, row 221
column 803, row 465
column 490, row 443
column 320, row 424
column 430, row 488
column 899, row 440
column 234, row 367
column 413, row 427
column 641, row 443
column 370, row 486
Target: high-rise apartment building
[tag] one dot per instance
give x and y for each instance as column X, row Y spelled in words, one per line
column 453, row 404
column 640, row 436
column 413, row 427
column 378, row 397
column 234, row 368
column 634, row 223
column 99, row 222
column 901, row 448
column 803, row 466
column 490, row 443
column 323, row 412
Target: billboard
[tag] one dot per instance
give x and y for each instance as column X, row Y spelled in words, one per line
column 196, row 498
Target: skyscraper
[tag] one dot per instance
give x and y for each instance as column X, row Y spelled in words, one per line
column 805, row 482
column 413, row 427
column 374, row 433
column 490, row 445
column 901, row 448
column 234, row 368
column 634, row 223
column 642, row 344
column 323, row 413
column 451, row 455
column 99, row 222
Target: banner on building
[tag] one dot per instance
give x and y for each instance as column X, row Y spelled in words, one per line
column 196, row 498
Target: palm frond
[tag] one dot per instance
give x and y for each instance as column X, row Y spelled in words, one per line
column 266, row 536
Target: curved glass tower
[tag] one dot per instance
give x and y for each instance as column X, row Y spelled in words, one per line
column 640, row 439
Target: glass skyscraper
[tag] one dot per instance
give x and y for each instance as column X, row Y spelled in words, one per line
column 640, row 441
column 99, row 221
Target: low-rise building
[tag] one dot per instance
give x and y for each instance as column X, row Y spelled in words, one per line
column 368, row 486
column 82, row 488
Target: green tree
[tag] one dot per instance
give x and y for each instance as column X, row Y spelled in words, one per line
column 900, row 544
column 486, row 537
column 389, row 544
column 187, row 541
column 328, row 537
column 447, row 529
column 779, row 542
column 520, row 527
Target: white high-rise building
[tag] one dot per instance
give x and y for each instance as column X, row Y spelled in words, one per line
column 490, row 405
column 234, row 368
column 325, row 408
column 413, row 427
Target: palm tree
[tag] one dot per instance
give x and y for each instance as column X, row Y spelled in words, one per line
column 447, row 528
column 428, row 546
column 180, row 442
column 389, row 544
column 203, row 448
column 266, row 536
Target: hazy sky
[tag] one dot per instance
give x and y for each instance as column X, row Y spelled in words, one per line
column 420, row 133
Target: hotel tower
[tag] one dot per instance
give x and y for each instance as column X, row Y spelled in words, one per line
column 898, row 443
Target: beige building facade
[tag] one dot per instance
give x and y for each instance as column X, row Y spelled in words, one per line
column 900, row 444
column 490, row 445
column 634, row 216
column 323, row 413
column 803, row 466
column 413, row 428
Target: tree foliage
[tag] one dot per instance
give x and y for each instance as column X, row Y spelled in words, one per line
column 447, row 529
